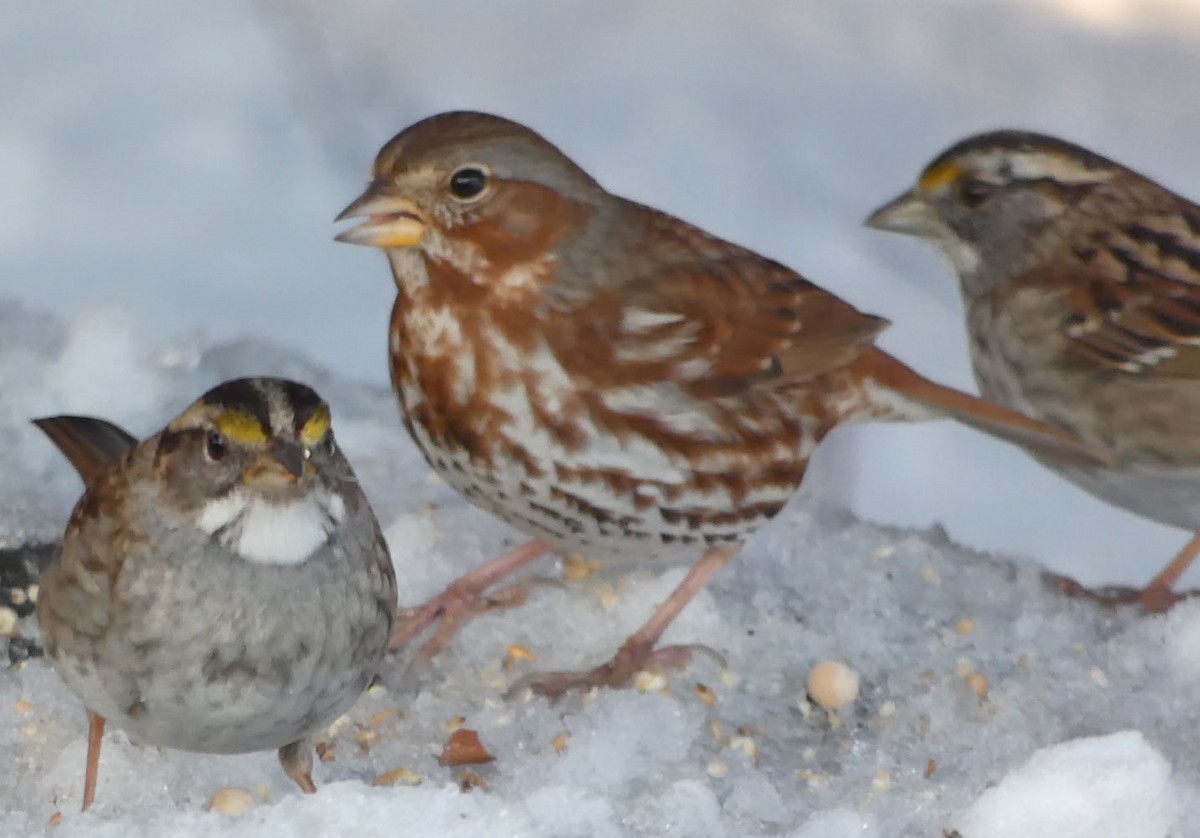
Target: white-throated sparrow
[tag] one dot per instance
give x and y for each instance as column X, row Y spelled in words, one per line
column 1081, row 281
column 223, row 586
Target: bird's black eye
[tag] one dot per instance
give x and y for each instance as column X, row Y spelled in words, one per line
column 468, row 183
column 974, row 192
column 215, row 446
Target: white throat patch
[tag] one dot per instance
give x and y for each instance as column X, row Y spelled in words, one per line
column 272, row 533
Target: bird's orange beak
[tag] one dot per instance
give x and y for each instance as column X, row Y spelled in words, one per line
column 392, row 221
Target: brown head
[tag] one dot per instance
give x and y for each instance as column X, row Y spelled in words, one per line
column 474, row 196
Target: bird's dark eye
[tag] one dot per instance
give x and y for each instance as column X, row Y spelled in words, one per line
column 974, row 192
column 215, row 446
column 468, row 183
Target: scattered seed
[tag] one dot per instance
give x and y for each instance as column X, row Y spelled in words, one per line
column 33, row 591
column 55, row 819
column 964, row 627
column 576, row 568
column 808, row 754
column 377, row 690
column 23, row 706
column 559, row 742
column 930, row 767
column 336, row 725
column 367, row 739
column 930, row 575
column 1098, row 676
column 812, row 778
column 963, row 668
column 516, row 653
column 608, row 596
column 325, row 752
column 233, row 802
column 887, row 709
column 715, row 727
column 29, row 730
column 707, row 697
column 399, row 777
column 651, row 681
column 882, row 554
column 381, row 718
column 978, row 683
column 464, row 748
column 456, row 723
column 717, row 768
column 882, row 781
column 832, row 685
column 729, row 678
column 17, row 596
column 746, row 745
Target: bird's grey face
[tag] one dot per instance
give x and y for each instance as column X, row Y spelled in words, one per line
column 994, row 203
column 254, row 465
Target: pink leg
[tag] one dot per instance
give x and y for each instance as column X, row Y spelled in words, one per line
column 95, row 736
column 639, row 651
column 464, row 597
column 1160, row 595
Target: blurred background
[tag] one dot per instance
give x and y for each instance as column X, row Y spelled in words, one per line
column 180, row 164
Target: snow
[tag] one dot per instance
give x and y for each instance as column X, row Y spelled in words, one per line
column 168, row 176
column 1055, row 794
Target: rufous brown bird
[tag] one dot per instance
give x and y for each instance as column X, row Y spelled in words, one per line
column 607, row 378
column 1081, row 282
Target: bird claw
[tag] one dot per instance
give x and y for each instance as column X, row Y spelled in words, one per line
column 615, row 674
column 1155, row 599
column 454, row 606
column 465, row 598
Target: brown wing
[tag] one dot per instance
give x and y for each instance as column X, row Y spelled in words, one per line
column 700, row 310
column 1134, row 296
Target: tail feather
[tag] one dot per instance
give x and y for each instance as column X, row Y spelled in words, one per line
column 1037, row 437
column 90, row 444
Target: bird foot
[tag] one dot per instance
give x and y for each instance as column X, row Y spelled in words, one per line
column 618, row 673
column 1154, row 598
column 453, row 607
column 465, row 598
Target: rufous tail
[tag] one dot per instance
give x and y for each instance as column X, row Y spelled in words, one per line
column 989, row 417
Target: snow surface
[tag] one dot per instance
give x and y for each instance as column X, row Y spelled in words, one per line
column 168, row 173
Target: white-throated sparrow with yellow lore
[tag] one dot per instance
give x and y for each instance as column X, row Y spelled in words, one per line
column 223, row 586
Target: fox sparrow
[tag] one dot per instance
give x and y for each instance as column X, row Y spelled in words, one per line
column 608, row 378
column 1081, row 281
